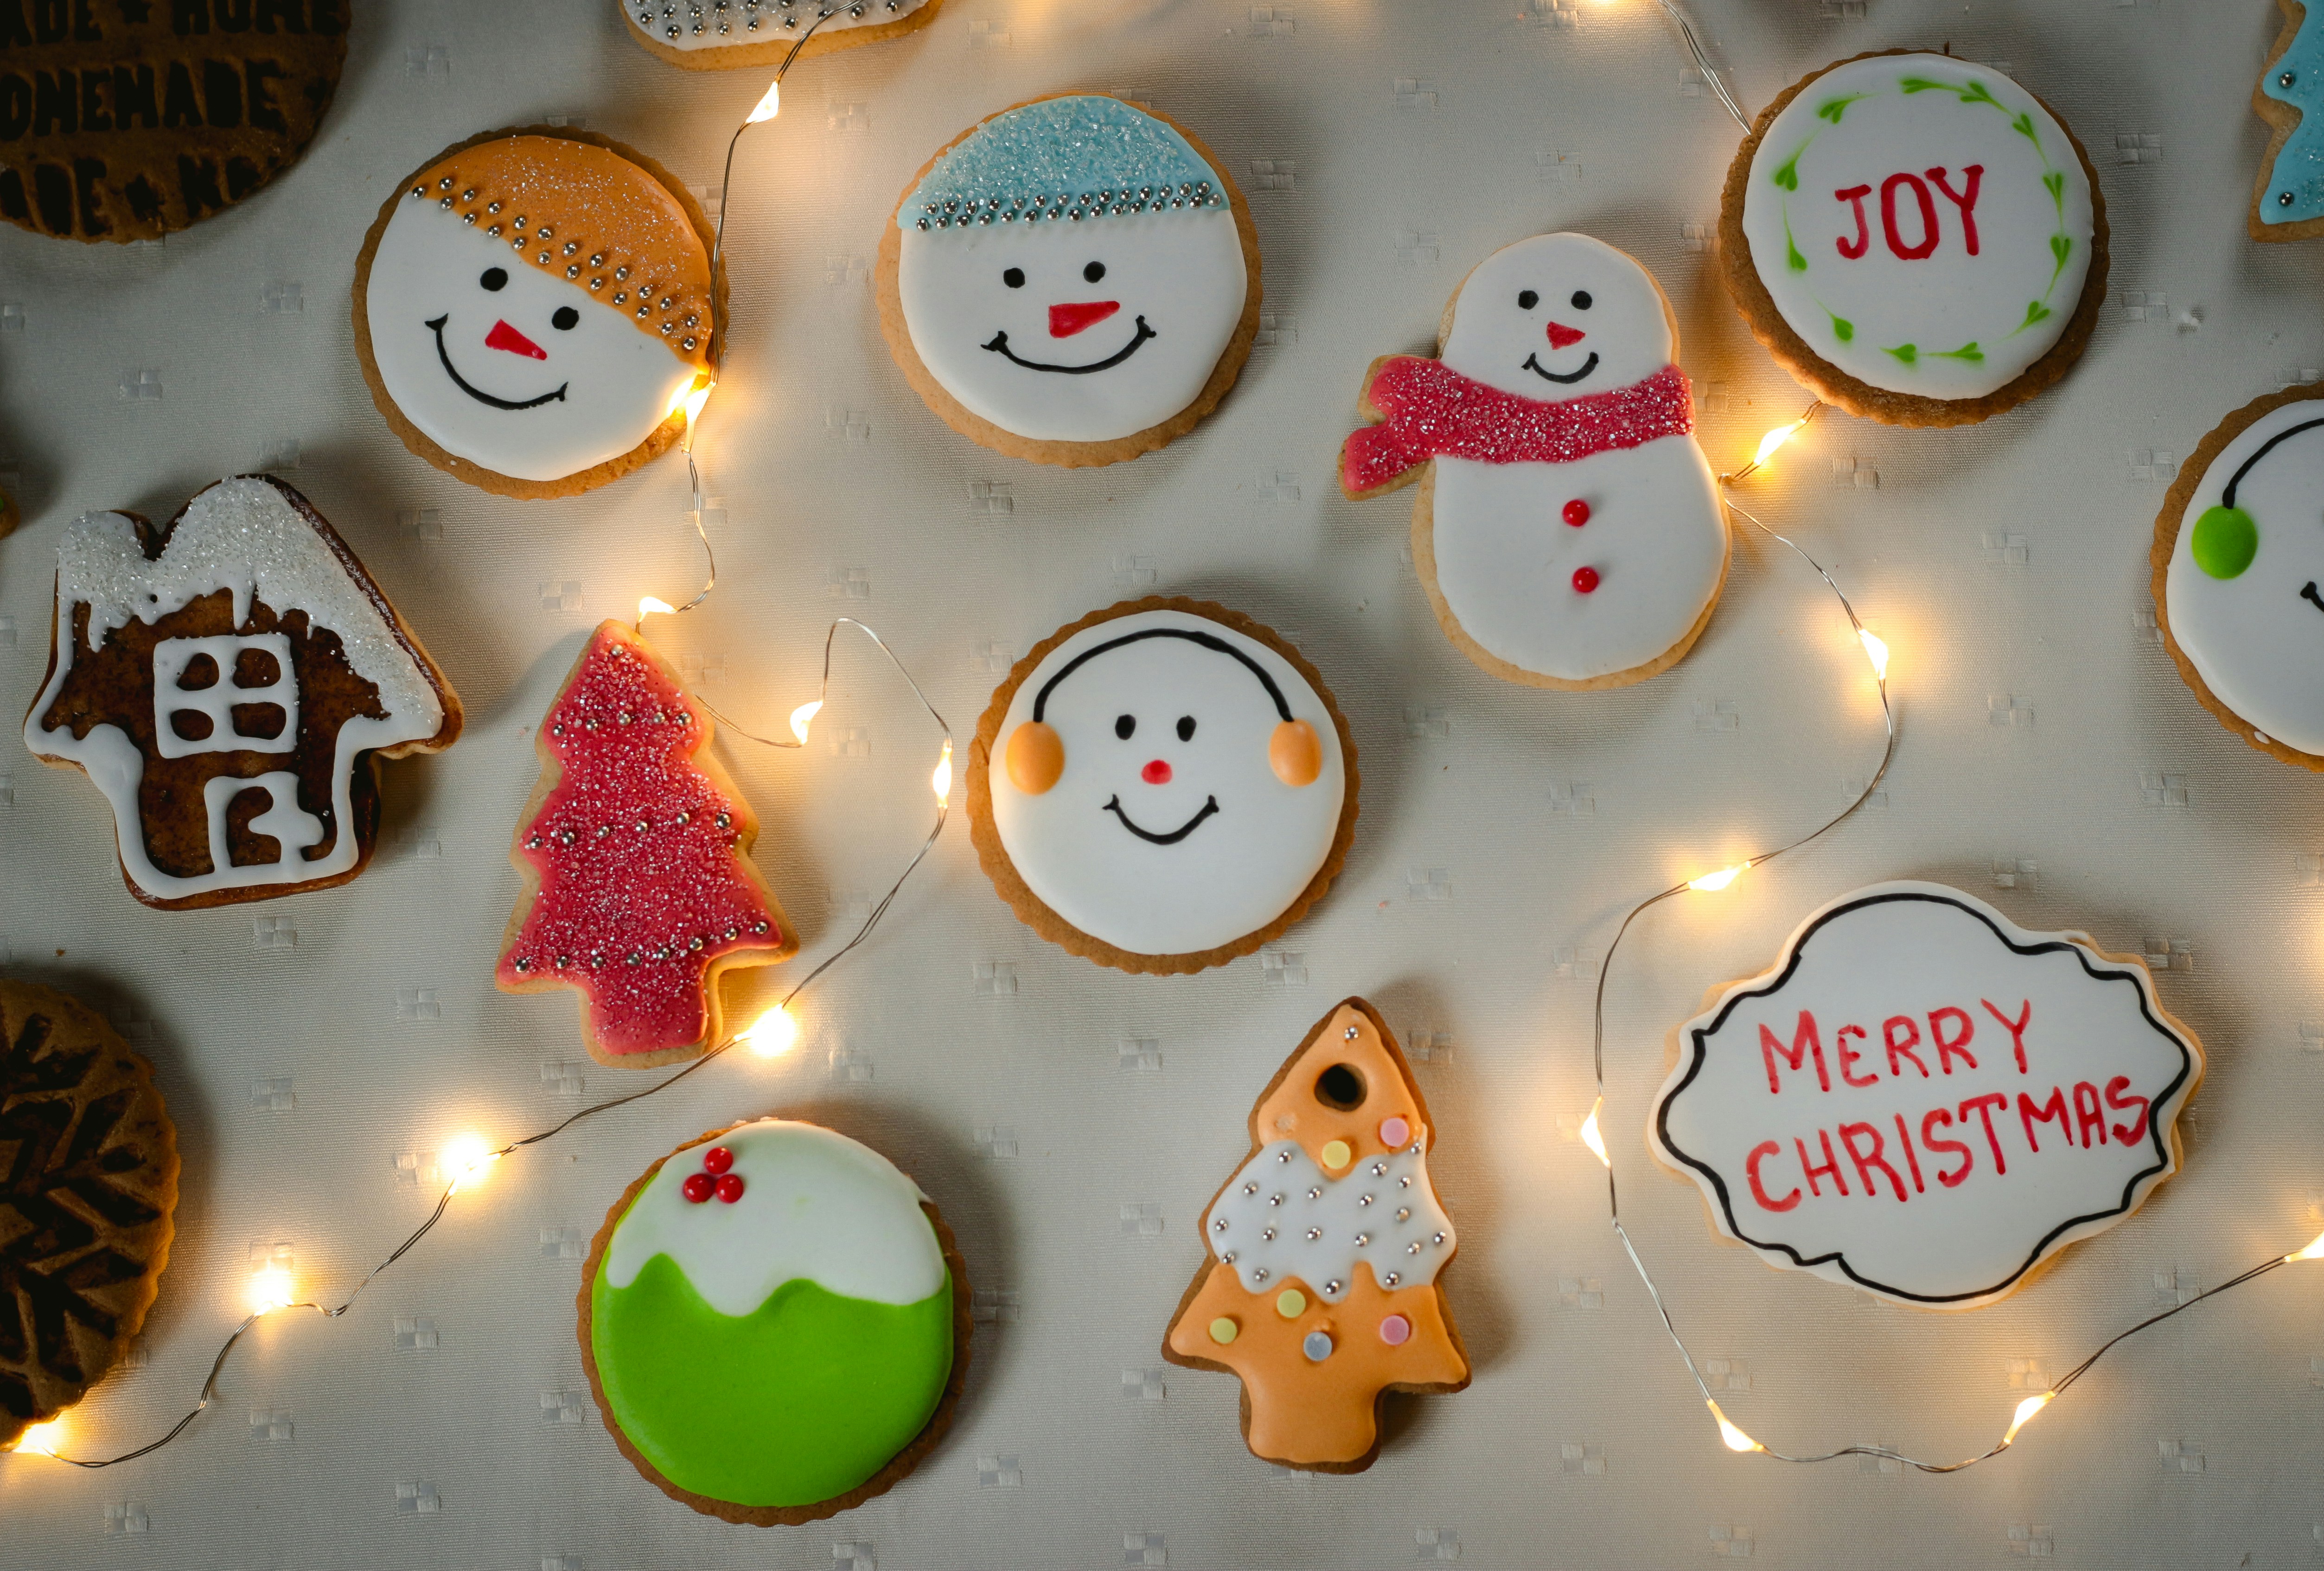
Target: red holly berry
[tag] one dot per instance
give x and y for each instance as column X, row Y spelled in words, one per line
column 698, row 1186
column 717, row 1160
column 1577, row 512
column 730, row 1187
column 1585, row 580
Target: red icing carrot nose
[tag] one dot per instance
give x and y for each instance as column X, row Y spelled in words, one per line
column 1064, row 321
column 1157, row 772
column 504, row 336
column 1561, row 335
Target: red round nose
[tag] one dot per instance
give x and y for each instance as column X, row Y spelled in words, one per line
column 1562, row 337
column 1156, row 773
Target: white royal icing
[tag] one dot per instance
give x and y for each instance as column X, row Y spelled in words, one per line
column 242, row 535
column 618, row 383
column 1919, row 963
column 1656, row 534
column 1971, row 323
column 2257, row 640
column 1240, row 867
column 717, row 25
column 1383, row 1213
column 815, row 1206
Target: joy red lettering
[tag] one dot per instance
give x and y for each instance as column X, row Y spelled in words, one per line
column 1854, row 196
column 1927, row 241
column 1972, row 177
column 1963, row 199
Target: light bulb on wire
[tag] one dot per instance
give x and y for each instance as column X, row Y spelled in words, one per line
column 2026, row 1412
column 803, row 717
column 270, row 1290
column 42, row 1440
column 1734, row 1439
column 771, row 1034
column 1711, row 883
column 1593, row 1136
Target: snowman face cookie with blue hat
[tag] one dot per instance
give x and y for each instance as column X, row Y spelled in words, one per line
column 1074, row 282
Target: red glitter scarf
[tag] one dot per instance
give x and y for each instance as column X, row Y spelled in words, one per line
column 1433, row 409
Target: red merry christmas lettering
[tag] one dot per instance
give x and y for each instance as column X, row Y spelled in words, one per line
column 1804, row 1040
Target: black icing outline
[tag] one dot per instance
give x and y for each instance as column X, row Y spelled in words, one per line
column 2168, row 1096
column 1192, row 635
column 1537, row 367
column 1209, row 806
column 436, row 326
column 999, row 345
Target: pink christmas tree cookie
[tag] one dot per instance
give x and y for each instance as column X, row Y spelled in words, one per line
column 636, row 854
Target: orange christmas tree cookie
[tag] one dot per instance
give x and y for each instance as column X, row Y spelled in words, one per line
column 1321, row 1290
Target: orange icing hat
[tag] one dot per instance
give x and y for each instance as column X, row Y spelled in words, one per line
column 583, row 213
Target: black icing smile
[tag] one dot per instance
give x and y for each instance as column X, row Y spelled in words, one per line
column 2310, row 596
column 1537, row 367
column 437, row 327
column 999, row 345
column 1174, row 836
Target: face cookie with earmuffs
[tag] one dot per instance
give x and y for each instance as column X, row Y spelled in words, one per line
column 531, row 309
column 1162, row 786
column 1567, row 528
column 1075, row 280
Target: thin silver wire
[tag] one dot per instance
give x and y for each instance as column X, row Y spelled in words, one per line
column 1703, row 63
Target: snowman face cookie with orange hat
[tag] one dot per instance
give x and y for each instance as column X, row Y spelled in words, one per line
column 1567, row 529
column 531, row 309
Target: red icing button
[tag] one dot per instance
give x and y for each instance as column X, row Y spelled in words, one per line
column 1585, row 580
column 697, row 1188
column 717, row 1160
column 730, row 1187
column 1156, row 773
column 1577, row 512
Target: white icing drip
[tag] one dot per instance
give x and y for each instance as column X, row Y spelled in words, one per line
column 816, row 1206
column 717, row 25
column 1271, row 1193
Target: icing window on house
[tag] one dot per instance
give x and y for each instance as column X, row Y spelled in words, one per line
column 225, row 694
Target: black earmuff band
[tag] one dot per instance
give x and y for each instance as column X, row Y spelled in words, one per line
column 2228, row 497
column 1207, row 640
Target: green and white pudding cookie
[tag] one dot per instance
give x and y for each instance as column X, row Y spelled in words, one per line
column 775, row 1323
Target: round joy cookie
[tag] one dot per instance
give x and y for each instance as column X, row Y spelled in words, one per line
column 2237, row 564
column 1073, row 281
column 89, row 1161
column 2288, row 199
column 1162, row 786
column 775, row 1323
column 717, row 35
column 1568, row 528
column 1922, row 1099
column 1917, row 239
column 125, row 119
column 532, row 308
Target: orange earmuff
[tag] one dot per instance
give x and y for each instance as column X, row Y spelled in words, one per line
column 1036, row 757
column 1295, row 752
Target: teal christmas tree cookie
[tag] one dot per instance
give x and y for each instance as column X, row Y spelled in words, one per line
column 2288, row 201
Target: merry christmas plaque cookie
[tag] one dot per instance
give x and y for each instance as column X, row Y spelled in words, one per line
column 1162, row 786
column 1567, row 528
column 1924, row 1100
column 775, row 1323
column 1916, row 238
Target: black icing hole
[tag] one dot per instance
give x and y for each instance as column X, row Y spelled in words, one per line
column 256, row 721
column 191, row 725
column 254, row 668
column 1340, row 1087
column 200, row 672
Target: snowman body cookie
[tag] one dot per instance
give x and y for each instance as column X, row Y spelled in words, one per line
column 1073, row 281
column 1568, row 528
column 1162, row 786
column 531, row 309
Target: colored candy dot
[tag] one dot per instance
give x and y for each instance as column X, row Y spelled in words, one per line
column 2226, row 541
column 1317, row 1346
column 1577, row 512
column 1394, row 1132
column 1585, row 580
column 1223, row 1330
column 1395, row 1330
column 1291, row 1303
column 697, row 1188
column 1337, row 1153
column 717, row 1160
column 730, row 1187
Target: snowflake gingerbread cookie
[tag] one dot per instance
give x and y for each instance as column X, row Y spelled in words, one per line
column 533, row 306
column 1567, row 526
column 230, row 681
column 1321, row 1289
column 640, row 893
column 2288, row 199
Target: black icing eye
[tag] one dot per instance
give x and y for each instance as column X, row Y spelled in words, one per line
column 495, row 278
column 1186, row 728
column 565, row 319
column 1014, row 277
column 1094, row 271
column 1124, row 725
column 1527, row 300
column 1581, row 299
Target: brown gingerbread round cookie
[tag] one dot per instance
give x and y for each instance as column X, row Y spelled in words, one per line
column 775, row 1322
column 721, row 35
column 125, row 119
column 91, row 1170
column 1162, row 786
column 534, row 306
column 1919, row 240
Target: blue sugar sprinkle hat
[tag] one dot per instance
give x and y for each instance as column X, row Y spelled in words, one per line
column 1068, row 159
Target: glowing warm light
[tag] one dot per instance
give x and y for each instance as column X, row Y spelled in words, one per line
column 42, row 1439
column 1711, row 883
column 466, row 1158
column 771, row 1034
column 2026, row 1412
column 1735, row 1438
column 649, row 606
column 1877, row 651
column 270, row 1290
column 768, row 106
column 1770, row 444
column 1590, row 1136
column 804, row 716
column 942, row 778
column 2315, row 1251
column 695, row 399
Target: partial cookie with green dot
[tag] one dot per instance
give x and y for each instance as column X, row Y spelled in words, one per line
column 1919, row 240
column 2238, row 574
